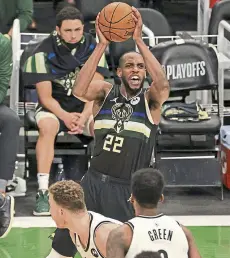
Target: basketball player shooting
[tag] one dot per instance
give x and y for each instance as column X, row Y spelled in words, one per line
column 149, row 230
column 126, row 119
column 131, row 68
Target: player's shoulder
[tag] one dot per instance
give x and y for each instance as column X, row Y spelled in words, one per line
column 142, row 218
column 171, row 222
column 115, row 89
column 97, row 217
column 135, row 222
column 102, row 85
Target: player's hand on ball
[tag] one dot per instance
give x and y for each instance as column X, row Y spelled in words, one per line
column 137, row 34
column 100, row 35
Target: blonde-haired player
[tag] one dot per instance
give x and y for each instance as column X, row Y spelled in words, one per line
column 89, row 230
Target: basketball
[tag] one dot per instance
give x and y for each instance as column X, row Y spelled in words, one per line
column 116, row 22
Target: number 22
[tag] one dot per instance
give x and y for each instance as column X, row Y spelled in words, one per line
column 113, row 143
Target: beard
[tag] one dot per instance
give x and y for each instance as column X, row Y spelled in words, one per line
column 130, row 90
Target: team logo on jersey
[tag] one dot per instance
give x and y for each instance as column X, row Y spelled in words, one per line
column 68, row 80
column 114, row 100
column 121, row 112
column 94, row 252
column 135, row 100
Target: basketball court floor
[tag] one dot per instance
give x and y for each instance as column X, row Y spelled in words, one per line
column 29, row 238
column 200, row 209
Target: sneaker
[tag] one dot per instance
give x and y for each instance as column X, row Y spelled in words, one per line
column 16, row 187
column 6, row 215
column 42, row 207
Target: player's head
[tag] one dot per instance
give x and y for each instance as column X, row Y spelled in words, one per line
column 66, row 200
column 132, row 71
column 70, row 25
column 147, row 187
column 148, row 254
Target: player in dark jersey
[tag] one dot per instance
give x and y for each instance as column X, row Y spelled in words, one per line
column 126, row 120
column 125, row 123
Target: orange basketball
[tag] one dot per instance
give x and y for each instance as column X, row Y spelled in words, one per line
column 116, row 22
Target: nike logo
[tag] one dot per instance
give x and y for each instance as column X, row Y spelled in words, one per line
column 114, row 100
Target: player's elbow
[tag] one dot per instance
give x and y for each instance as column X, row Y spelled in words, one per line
column 78, row 92
column 80, row 95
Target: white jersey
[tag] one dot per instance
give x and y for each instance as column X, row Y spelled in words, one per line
column 91, row 250
column 159, row 233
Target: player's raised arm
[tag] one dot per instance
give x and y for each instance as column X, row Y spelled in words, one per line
column 118, row 242
column 82, row 87
column 159, row 90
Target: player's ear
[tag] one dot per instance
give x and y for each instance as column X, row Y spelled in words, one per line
column 131, row 199
column 162, row 198
column 58, row 30
column 119, row 73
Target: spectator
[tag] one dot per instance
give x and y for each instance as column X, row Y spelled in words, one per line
column 9, row 138
column 12, row 9
column 57, row 61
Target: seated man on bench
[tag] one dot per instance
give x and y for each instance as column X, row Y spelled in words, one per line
column 53, row 66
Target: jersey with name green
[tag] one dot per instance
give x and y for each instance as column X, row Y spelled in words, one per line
column 158, row 233
column 124, row 135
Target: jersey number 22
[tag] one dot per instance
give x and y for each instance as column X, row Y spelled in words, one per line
column 113, row 143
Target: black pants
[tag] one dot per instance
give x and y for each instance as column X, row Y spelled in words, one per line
column 105, row 195
column 9, row 140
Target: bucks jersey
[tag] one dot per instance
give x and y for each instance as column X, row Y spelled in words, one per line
column 124, row 135
column 91, row 250
column 158, row 234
